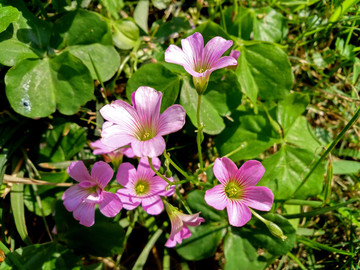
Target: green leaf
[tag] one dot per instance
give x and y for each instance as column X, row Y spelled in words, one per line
column 37, row 87
column 62, row 142
column 239, row 251
column 113, row 7
column 211, row 29
column 106, row 59
column 269, row 25
column 104, row 238
column 157, row 77
column 249, row 134
column 125, row 34
column 239, row 23
column 346, row 167
column 290, row 109
column 270, row 70
column 197, row 203
column 7, row 16
column 80, row 27
column 44, row 256
column 302, row 135
column 259, row 236
column 207, row 237
column 17, row 207
column 284, row 172
column 161, row 4
column 167, row 29
column 141, row 14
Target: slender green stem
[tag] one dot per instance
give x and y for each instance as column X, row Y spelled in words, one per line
column 329, row 149
column 11, row 256
column 292, row 256
column 175, row 165
column 199, row 132
column 158, row 173
column 259, row 217
column 183, row 201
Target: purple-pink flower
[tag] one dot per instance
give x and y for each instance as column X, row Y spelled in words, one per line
column 235, row 54
column 142, row 186
column 179, row 224
column 200, row 61
column 100, row 149
column 237, row 191
column 141, row 125
column 82, row 198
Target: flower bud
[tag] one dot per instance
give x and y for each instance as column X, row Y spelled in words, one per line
column 276, row 230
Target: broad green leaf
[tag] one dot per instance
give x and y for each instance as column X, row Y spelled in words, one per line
column 104, row 238
column 239, row 251
column 105, row 57
column 125, row 34
column 113, row 7
column 167, row 29
column 44, row 256
column 301, row 135
column 210, row 30
column 270, row 69
column 269, row 25
column 203, row 241
column 13, row 51
column 239, row 23
column 7, row 16
column 80, row 27
column 346, row 167
column 249, row 134
column 197, row 202
column 285, row 170
column 17, row 207
column 290, row 109
column 260, row 237
column 37, row 87
column 141, row 14
column 209, row 116
column 157, row 77
column 62, row 142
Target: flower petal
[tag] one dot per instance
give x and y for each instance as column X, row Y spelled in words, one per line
column 102, row 173
column 147, row 102
column 250, row 173
column 100, row 148
column 85, row 213
column 78, row 171
column 114, row 136
column 119, row 112
column 216, row 197
column 111, row 205
column 129, row 201
column 191, row 220
column 224, row 169
column 152, row 205
column 171, row 120
column 73, row 196
column 126, row 175
column 224, row 62
column 260, row 198
column 239, row 214
column 193, row 47
column 214, row 49
column 175, row 55
column 144, row 170
column 151, row 148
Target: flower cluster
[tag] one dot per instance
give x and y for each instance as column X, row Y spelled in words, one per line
column 137, row 131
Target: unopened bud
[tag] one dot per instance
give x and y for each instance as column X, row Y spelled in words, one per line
column 276, row 230
column 168, row 173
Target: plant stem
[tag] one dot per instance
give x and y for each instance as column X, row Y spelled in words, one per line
column 183, row 201
column 175, row 165
column 11, row 256
column 292, row 256
column 199, row 134
column 158, row 173
column 329, row 149
column 14, row 179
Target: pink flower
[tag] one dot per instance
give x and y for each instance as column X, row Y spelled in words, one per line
column 198, row 61
column 237, row 191
column 140, row 125
column 235, row 54
column 179, row 224
column 100, row 148
column 142, row 186
column 82, row 198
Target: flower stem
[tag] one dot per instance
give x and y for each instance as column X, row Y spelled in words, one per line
column 199, row 132
column 157, row 172
column 183, row 201
column 329, row 149
column 175, row 165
